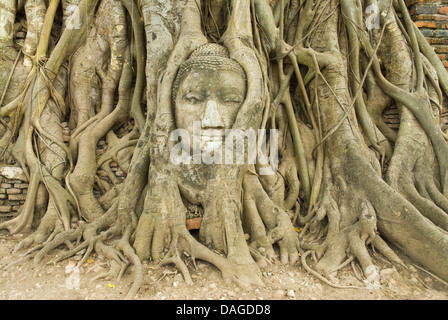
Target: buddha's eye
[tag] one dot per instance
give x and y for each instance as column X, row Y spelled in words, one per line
column 193, row 98
column 232, row 98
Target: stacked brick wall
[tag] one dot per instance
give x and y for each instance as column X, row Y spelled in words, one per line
column 12, row 195
column 431, row 16
column 13, row 190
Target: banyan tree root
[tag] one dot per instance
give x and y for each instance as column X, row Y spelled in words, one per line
column 315, row 71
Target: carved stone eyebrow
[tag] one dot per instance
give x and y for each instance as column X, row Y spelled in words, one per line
column 189, row 87
column 231, row 92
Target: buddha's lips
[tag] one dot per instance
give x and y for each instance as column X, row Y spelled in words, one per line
column 211, row 139
column 212, row 134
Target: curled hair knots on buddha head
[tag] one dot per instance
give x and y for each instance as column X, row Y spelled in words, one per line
column 211, row 57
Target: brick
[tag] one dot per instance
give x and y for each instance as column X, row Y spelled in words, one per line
column 424, row 17
column 5, row 209
column 14, row 181
column 425, row 8
column 17, row 197
column 427, row 32
column 100, row 151
column 411, row 2
column 21, row 185
column 5, row 185
column 440, row 33
column 426, row 24
column 194, row 223
column 440, row 17
column 120, row 173
column 101, row 173
column 441, row 49
column 443, row 10
column 13, row 191
column 435, row 41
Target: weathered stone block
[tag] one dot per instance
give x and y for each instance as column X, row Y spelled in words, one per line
column 5, row 209
column 13, row 173
column 13, row 191
column 17, row 197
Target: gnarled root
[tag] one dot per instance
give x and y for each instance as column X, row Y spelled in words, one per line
column 162, row 234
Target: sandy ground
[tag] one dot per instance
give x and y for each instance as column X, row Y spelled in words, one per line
column 24, row 281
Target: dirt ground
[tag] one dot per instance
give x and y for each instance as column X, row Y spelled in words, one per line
column 23, row 281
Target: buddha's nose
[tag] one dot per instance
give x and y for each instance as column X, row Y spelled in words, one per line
column 211, row 118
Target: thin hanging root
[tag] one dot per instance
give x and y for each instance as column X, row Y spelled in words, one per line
column 10, row 77
column 25, row 218
column 89, row 250
column 112, row 152
column 46, row 30
column 315, row 188
column 431, row 274
column 89, row 244
column 386, row 251
column 71, row 234
column 35, row 119
column 25, row 256
column 177, row 261
column 138, row 278
column 342, row 265
column 174, row 257
column 322, row 278
column 68, row 254
column 58, row 195
column 123, row 268
column 302, row 166
column 138, row 29
column 261, row 259
column 125, row 246
column 116, row 270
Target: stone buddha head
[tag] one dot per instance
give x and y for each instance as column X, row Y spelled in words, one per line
column 209, row 90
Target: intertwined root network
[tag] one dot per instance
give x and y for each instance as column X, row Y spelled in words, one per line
column 317, row 71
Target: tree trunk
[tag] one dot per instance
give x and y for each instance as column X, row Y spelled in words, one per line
column 152, row 91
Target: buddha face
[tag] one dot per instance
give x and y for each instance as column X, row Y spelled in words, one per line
column 211, row 98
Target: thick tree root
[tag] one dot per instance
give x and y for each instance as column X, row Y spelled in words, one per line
column 313, row 73
column 322, row 278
